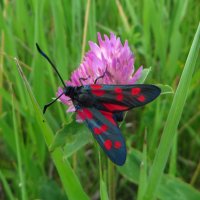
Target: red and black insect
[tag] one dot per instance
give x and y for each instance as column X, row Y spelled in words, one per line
column 102, row 106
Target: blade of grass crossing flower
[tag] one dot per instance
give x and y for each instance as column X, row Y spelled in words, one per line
column 69, row 180
column 173, row 119
column 19, row 158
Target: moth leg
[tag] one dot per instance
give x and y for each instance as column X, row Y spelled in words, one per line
column 100, row 76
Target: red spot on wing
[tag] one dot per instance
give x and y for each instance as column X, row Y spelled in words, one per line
column 100, row 130
column 141, row 98
column 96, row 90
column 95, row 87
column 85, row 114
column 81, row 114
column 108, row 144
column 108, row 116
column 119, row 96
column 115, row 107
column 104, row 128
column 117, row 144
column 118, row 90
column 135, row 91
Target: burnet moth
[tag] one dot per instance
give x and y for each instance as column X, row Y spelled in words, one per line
column 101, row 107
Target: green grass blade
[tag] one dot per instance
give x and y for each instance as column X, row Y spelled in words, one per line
column 69, row 180
column 103, row 190
column 19, row 157
column 6, row 186
column 123, row 16
column 132, row 13
column 173, row 157
column 143, row 172
column 173, row 119
column 86, row 19
column 170, row 188
column 111, row 180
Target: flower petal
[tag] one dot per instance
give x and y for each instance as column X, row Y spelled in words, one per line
column 108, row 56
column 136, row 76
column 71, row 108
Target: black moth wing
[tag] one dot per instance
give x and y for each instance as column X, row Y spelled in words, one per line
column 106, row 131
column 117, row 98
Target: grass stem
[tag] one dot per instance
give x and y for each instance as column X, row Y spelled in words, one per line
column 173, row 119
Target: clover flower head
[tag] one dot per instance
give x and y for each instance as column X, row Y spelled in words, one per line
column 109, row 56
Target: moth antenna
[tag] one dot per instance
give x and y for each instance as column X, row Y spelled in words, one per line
column 49, row 104
column 51, row 63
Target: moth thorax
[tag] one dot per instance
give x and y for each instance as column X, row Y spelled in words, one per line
column 69, row 91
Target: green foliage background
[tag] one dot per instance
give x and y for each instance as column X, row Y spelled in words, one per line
column 160, row 33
